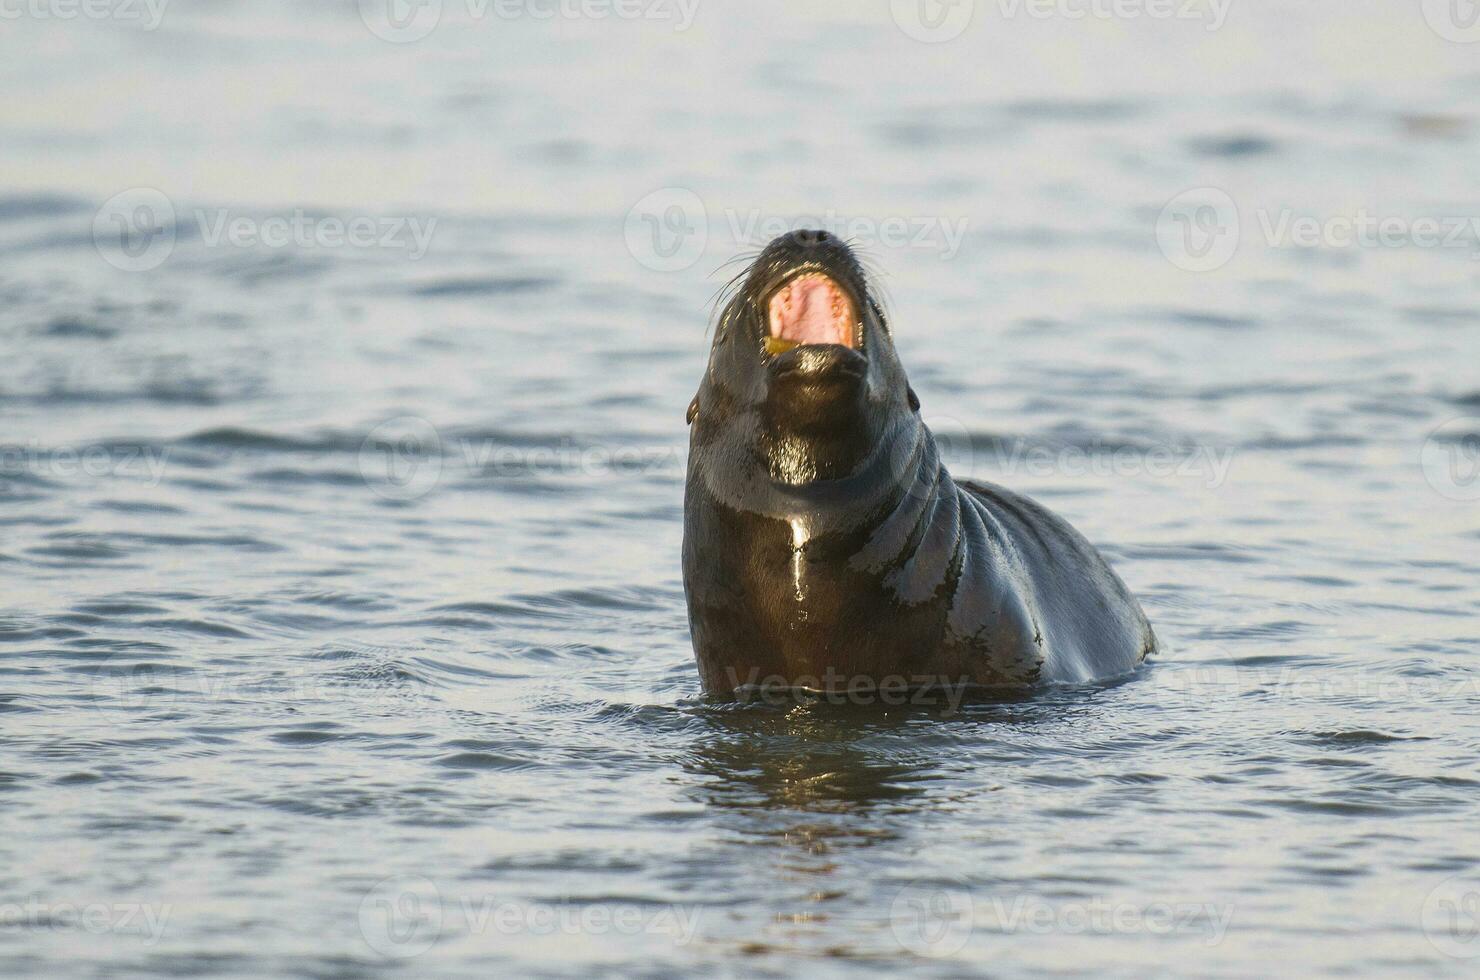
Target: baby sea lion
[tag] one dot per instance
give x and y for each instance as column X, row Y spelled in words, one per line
column 825, row 545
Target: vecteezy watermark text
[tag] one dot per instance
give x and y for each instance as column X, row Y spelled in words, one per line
column 1201, row 229
column 298, row 228
column 404, row 916
column 1212, row 12
column 140, row 462
column 404, row 458
column 937, row 21
column 929, row 233
column 98, row 918
column 1363, row 229
column 137, row 230
column 671, row 229
column 1209, row 465
column 841, row 687
column 937, row 918
column 148, row 13
column 407, row 21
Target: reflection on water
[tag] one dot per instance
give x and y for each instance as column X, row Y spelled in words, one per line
column 811, row 758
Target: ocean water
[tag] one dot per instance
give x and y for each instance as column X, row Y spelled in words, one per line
column 342, row 632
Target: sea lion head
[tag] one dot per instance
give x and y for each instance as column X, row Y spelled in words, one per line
column 803, row 378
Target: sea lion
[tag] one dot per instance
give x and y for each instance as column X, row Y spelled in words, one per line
column 825, row 545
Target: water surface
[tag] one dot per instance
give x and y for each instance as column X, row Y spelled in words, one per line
column 343, row 632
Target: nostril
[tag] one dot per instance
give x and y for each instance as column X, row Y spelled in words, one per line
column 812, row 237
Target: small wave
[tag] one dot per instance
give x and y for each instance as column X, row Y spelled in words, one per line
column 1239, row 145
column 1204, row 318
column 296, row 476
column 28, row 207
column 487, row 286
column 487, row 761
column 1440, row 316
column 138, row 507
column 1190, row 551
column 199, row 627
column 343, row 600
column 78, row 779
column 305, row 736
column 1075, row 110
column 77, row 545
column 1357, row 736
column 118, row 608
column 388, row 674
column 236, row 542
column 229, row 437
column 75, row 327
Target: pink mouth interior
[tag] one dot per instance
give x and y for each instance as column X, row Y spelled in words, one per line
column 812, row 309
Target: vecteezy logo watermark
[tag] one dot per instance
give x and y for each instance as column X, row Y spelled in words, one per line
column 1451, row 917
column 98, row 918
column 401, row 917
column 1454, row 20
column 1214, row 12
column 401, row 459
column 404, row 916
column 401, row 21
column 137, row 230
column 933, row 21
column 1196, row 678
column 1451, row 459
column 149, row 13
column 668, row 230
column 1198, row 230
column 405, row 21
column 932, row 918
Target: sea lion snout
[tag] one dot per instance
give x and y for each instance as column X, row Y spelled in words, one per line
column 809, row 238
column 817, row 249
column 817, row 362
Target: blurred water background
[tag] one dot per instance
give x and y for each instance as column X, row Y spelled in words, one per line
column 347, row 354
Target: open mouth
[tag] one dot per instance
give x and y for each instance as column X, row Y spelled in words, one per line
column 811, row 308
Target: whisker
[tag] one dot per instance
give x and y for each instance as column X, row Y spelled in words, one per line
column 723, row 297
column 748, row 256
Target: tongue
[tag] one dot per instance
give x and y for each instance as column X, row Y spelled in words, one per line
column 812, row 309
